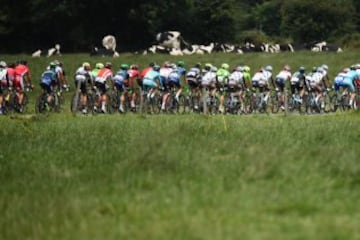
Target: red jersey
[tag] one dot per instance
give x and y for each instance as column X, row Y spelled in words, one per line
column 103, row 75
column 133, row 74
column 20, row 71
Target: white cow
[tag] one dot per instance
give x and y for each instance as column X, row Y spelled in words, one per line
column 109, row 42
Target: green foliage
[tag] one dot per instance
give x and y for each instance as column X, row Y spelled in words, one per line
column 135, row 23
column 307, row 21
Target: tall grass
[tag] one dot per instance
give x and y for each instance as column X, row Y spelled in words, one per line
column 180, row 177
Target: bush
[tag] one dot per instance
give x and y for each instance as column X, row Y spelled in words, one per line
column 351, row 41
column 256, row 36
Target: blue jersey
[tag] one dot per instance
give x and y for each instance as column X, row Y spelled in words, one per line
column 181, row 71
column 120, row 77
column 174, row 76
column 49, row 77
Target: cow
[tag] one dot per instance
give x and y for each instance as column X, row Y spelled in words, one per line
column 109, row 42
column 157, row 49
column 103, row 52
column 50, row 52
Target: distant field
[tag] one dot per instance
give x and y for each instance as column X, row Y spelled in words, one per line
column 181, row 176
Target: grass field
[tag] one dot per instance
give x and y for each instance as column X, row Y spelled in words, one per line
column 182, row 177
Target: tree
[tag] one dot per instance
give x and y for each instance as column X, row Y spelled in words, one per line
column 306, row 20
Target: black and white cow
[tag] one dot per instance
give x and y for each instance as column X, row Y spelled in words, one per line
column 103, row 52
column 50, row 52
column 170, row 39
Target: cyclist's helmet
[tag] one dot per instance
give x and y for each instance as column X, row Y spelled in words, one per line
column 134, row 67
column 208, row 66
column 239, row 69
column 166, row 64
column 314, row 69
column 213, row 69
column 225, row 66
column 57, row 62
column 99, row 65
column 287, row 68
column 345, row 70
column 86, row 66
column 269, row 68
column 198, row 65
column 320, row 69
column 352, row 67
column 246, row 68
column 3, row 64
column 108, row 64
column 156, row 68
column 325, row 67
column 301, row 69
column 181, row 63
column 124, row 66
column 52, row 64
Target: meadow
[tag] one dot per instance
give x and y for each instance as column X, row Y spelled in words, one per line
column 181, row 176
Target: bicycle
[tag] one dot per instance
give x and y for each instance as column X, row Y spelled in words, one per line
column 42, row 105
column 12, row 104
column 232, row 102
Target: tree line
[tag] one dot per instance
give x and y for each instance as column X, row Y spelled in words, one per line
column 77, row 25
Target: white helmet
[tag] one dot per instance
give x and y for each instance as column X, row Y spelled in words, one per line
column 325, row 67
column 269, row 68
column 213, row 69
column 3, row 64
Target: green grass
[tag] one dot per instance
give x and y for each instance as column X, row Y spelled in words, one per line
column 181, row 177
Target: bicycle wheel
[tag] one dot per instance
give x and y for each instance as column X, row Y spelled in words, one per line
column 40, row 106
column 183, row 105
column 75, row 103
column 274, row 104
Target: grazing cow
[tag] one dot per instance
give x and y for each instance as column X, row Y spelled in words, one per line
column 103, row 52
column 169, row 39
column 109, row 42
column 51, row 51
column 157, row 49
column 331, row 48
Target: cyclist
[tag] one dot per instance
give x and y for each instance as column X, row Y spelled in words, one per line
column 96, row 70
column 83, row 77
column 164, row 72
column 349, row 79
column 104, row 75
column 236, row 84
column 193, row 79
column 62, row 75
column 134, row 74
column 339, row 79
column 144, row 72
column 4, row 83
column 208, row 81
column 181, row 71
column 318, row 84
column 297, row 82
column 222, row 76
column 22, row 77
column 151, row 81
column 49, row 80
column 280, row 80
column 173, row 82
column 121, row 84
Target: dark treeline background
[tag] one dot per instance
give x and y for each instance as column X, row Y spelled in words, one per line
column 77, row 24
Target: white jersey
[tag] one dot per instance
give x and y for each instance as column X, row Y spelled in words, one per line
column 3, row 73
column 82, row 75
column 316, row 77
column 165, row 72
column 259, row 76
column 236, row 78
column 284, row 75
column 208, row 78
